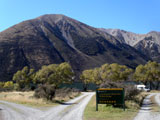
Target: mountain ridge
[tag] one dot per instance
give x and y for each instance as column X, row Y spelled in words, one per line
column 148, row 44
column 53, row 39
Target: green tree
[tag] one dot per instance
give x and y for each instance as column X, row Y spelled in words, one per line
column 148, row 73
column 55, row 74
column 87, row 77
column 106, row 73
column 24, row 78
column 8, row 85
column 115, row 72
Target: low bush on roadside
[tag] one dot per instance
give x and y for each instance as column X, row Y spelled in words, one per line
column 131, row 93
column 6, row 86
column 45, row 91
column 65, row 94
column 50, row 93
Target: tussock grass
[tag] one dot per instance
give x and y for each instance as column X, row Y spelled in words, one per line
column 23, row 98
column 27, row 98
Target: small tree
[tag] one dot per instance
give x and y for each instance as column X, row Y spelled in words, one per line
column 148, row 73
column 51, row 77
column 106, row 73
column 24, row 78
column 45, row 91
column 55, row 74
column 8, row 85
column 114, row 72
column 87, row 77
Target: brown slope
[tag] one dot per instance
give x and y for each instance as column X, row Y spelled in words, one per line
column 56, row 38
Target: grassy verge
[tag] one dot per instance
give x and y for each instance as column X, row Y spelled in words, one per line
column 111, row 113
column 155, row 107
column 25, row 98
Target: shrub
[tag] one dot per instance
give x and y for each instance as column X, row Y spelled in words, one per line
column 45, row 91
column 64, row 94
column 1, row 86
column 130, row 90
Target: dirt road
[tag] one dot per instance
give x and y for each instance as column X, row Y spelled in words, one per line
column 72, row 110
column 146, row 110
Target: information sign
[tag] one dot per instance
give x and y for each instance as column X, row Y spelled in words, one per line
column 114, row 96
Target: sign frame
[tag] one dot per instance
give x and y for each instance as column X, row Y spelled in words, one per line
column 110, row 96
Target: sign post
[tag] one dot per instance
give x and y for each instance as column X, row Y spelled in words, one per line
column 114, row 96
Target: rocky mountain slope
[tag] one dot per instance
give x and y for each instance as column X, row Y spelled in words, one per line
column 125, row 36
column 148, row 44
column 57, row 38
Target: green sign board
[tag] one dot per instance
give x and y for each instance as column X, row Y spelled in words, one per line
column 114, row 96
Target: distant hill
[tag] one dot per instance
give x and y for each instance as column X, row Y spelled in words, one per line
column 56, row 38
column 148, row 44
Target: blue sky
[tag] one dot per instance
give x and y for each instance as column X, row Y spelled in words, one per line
column 139, row 16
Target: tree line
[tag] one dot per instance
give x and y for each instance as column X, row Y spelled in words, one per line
column 146, row 74
column 57, row 74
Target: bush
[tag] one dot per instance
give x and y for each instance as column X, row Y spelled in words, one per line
column 65, row 94
column 45, row 91
column 130, row 90
column 8, row 85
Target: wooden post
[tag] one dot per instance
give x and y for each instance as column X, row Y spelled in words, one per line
column 123, row 99
column 96, row 101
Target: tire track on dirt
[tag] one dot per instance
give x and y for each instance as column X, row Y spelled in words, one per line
column 13, row 111
column 145, row 112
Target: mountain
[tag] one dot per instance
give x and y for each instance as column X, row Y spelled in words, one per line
column 57, row 38
column 147, row 44
column 123, row 36
column 150, row 45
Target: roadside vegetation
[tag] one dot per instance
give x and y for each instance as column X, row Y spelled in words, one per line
column 46, row 81
column 108, row 112
column 27, row 98
column 117, row 76
column 148, row 74
column 45, row 84
column 155, row 106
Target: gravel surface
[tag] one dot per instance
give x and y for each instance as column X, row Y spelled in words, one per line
column 145, row 112
column 72, row 110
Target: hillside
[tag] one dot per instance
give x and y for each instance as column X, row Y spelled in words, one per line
column 148, row 44
column 56, row 38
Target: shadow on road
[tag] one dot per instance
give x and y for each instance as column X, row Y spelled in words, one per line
column 63, row 103
column 146, row 105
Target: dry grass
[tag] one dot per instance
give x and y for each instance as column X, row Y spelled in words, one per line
column 155, row 106
column 27, row 98
column 154, row 91
column 23, row 98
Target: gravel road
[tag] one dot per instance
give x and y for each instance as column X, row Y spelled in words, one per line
column 145, row 112
column 72, row 110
